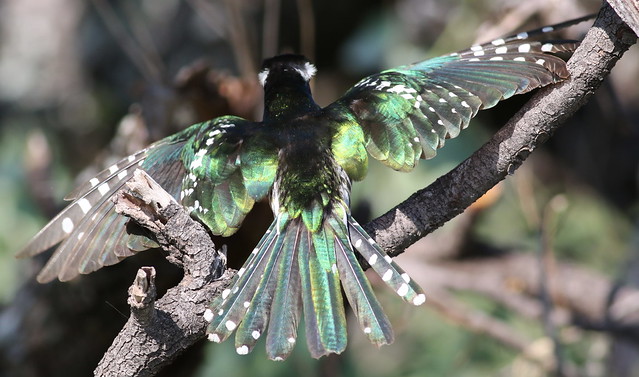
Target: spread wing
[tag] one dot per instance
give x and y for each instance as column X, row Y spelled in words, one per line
column 407, row 113
column 219, row 188
column 230, row 165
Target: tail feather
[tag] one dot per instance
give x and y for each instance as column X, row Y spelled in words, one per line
column 231, row 310
column 287, row 304
column 383, row 265
column 323, row 305
column 296, row 267
column 259, row 307
column 359, row 293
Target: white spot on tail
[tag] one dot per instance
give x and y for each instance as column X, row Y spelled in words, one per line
column 496, row 58
column 522, row 35
column 498, row 42
column 520, row 59
column 419, row 299
column 403, row 290
column 501, row 50
column 243, row 350
column 67, row 225
column 547, row 29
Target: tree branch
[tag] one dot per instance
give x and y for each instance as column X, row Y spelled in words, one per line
column 176, row 322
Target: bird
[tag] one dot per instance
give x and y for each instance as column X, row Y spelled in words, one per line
column 303, row 158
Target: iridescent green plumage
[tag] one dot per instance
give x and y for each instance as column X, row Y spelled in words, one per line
column 303, row 158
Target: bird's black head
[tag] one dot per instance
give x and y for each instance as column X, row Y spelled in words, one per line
column 287, row 93
column 289, row 68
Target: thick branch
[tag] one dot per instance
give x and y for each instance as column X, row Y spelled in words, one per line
column 451, row 194
column 154, row 336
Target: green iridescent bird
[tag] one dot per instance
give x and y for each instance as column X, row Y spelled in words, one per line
column 303, row 158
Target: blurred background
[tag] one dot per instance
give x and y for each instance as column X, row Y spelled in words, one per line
column 538, row 278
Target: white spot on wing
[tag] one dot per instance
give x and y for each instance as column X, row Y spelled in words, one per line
column 103, row 188
column 208, row 315
column 94, row 182
column 255, row 334
column 524, row 48
column 67, row 225
column 84, row 204
column 243, row 350
column 387, row 275
column 214, row 338
column 373, row 259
